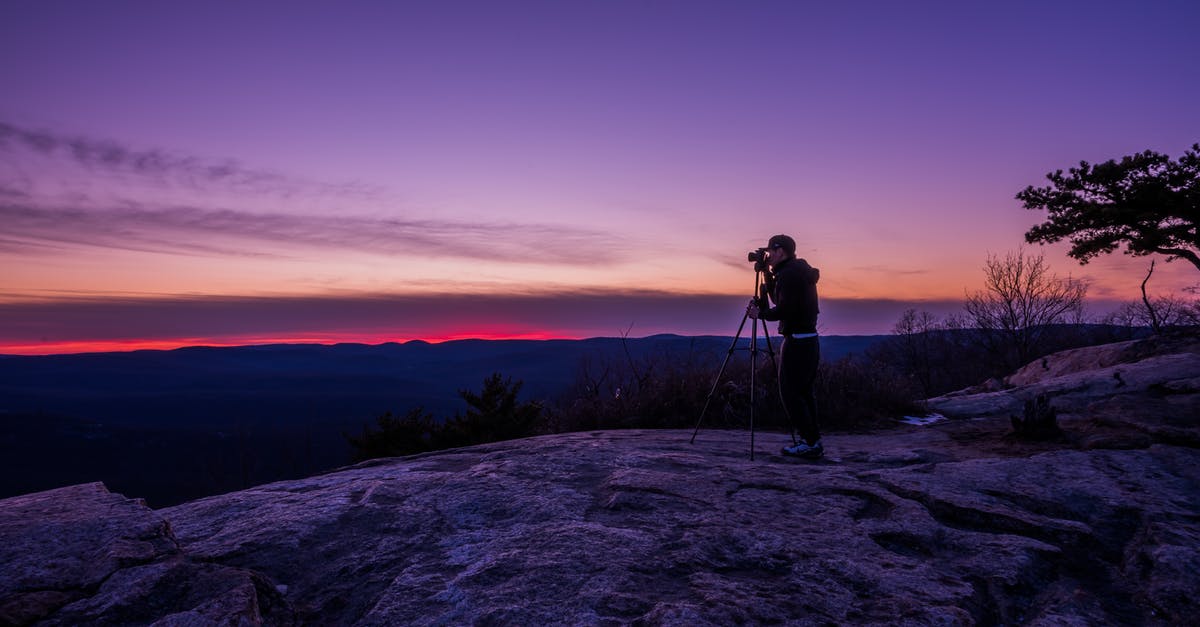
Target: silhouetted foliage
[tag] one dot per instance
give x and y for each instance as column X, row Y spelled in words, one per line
column 1146, row 201
column 936, row 356
column 1023, row 313
column 415, row 432
column 942, row 356
column 856, row 393
column 492, row 415
column 1039, row 421
column 1171, row 312
column 1163, row 313
column 916, row 348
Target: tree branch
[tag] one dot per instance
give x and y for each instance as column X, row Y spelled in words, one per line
column 1145, row 299
column 1182, row 253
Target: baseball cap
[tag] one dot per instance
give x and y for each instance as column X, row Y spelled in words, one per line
column 782, row 241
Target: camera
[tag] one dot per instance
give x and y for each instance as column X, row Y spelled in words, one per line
column 758, row 257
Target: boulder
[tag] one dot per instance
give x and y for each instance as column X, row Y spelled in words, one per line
column 1136, row 374
column 83, row 555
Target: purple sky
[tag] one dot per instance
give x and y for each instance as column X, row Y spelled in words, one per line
column 243, row 171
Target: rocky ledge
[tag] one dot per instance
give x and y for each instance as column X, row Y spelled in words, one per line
column 1122, row 395
column 954, row 523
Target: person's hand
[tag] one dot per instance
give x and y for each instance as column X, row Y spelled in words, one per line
column 769, row 283
column 752, row 310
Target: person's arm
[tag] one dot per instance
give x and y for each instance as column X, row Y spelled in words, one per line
column 787, row 297
column 768, row 287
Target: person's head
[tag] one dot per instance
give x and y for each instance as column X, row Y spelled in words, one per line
column 779, row 249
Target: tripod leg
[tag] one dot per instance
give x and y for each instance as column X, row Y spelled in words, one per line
column 720, row 373
column 753, row 383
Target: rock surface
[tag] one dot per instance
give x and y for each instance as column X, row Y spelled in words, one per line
column 947, row 524
column 82, row 555
column 1123, row 395
column 1153, row 368
column 909, row 526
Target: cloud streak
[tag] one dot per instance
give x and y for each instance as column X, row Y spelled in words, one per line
column 201, row 225
column 168, row 168
column 890, row 270
column 192, row 230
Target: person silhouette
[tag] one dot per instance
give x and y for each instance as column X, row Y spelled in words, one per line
column 791, row 286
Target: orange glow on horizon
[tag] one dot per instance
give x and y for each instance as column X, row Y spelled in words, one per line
column 326, row 339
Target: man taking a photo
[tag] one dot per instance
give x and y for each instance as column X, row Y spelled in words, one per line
column 792, row 287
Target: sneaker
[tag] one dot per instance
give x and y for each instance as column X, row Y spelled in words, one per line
column 806, row 451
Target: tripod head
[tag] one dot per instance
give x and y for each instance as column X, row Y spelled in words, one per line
column 764, row 281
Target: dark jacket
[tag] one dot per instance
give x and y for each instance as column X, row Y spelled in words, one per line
column 793, row 289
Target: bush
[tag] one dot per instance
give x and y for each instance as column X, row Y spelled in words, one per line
column 492, row 415
column 416, row 432
column 857, row 393
column 934, row 356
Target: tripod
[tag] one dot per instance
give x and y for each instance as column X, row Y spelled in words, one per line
column 753, row 348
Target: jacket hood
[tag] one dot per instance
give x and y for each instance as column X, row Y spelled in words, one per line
column 812, row 273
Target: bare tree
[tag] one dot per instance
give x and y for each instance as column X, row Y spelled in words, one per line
column 914, row 346
column 1170, row 312
column 1020, row 303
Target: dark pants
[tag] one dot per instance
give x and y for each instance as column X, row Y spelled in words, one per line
column 798, row 360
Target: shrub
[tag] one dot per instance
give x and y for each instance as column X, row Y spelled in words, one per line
column 416, row 432
column 856, row 393
column 492, row 415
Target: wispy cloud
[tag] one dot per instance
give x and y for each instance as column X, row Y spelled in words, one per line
column 14, row 189
column 890, row 270
column 169, row 168
column 193, row 230
column 35, row 220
